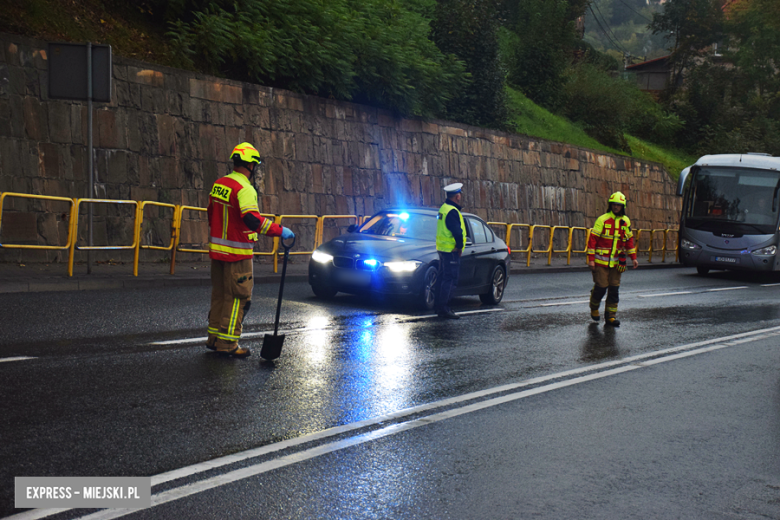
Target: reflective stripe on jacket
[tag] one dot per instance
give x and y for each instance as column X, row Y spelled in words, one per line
column 230, row 239
column 607, row 241
column 445, row 242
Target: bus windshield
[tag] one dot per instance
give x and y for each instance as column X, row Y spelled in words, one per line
column 734, row 200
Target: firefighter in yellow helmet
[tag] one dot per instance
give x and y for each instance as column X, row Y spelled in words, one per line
column 234, row 224
column 610, row 241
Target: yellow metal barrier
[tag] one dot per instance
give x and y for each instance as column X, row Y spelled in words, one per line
column 175, row 245
column 666, row 243
column 177, row 219
column 528, row 249
column 552, row 248
column 276, row 239
column 506, row 230
column 319, row 238
column 277, row 220
column 549, row 244
column 571, row 246
column 139, row 224
column 73, row 211
column 75, row 228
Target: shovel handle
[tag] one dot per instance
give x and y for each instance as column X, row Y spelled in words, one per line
column 285, row 246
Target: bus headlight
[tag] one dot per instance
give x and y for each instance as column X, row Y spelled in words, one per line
column 321, row 258
column 403, row 267
column 768, row 251
column 687, row 244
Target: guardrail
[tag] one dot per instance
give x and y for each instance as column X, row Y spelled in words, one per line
column 75, row 227
column 658, row 240
column 71, row 217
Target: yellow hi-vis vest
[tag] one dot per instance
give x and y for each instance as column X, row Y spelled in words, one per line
column 445, row 242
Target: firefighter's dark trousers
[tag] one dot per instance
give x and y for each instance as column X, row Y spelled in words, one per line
column 231, row 295
column 606, row 280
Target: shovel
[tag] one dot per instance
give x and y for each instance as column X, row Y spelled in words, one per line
column 272, row 345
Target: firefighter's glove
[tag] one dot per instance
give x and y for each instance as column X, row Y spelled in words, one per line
column 621, row 264
column 287, row 233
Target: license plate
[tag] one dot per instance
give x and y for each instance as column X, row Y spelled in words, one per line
column 353, row 277
column 726, row 259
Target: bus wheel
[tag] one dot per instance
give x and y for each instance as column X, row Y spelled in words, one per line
column 702, row 270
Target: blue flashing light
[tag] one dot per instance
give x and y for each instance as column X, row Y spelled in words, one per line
column 404, row 216
column 370, row 262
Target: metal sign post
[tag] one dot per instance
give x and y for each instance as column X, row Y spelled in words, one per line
column 82, row 72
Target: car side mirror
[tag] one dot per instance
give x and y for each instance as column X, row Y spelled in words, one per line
column 351, row 228
column 469, row 242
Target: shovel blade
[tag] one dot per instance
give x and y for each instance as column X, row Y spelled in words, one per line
column 272, row 346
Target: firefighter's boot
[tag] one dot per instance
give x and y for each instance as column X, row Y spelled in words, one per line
column 596, row 294
column 610, row 317
column 232, row 349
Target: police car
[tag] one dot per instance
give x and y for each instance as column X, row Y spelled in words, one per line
column 394, row 253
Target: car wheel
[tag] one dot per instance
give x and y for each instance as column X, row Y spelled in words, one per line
column 323, row 291
column 428, row 292
column 497, row 285
column 702, row 270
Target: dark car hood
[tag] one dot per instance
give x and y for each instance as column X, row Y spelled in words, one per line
column 382, row 247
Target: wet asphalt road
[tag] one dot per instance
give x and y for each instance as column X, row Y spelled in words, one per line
column 103, row 396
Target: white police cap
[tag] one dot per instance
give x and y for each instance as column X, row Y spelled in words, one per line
column 452, row 189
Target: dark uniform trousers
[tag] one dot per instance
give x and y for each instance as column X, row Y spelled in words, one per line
column 231, row 295
column 449, row 269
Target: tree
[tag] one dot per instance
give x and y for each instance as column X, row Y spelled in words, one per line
column 468, row 29
column 541, row 46
column 371, row 51
column 693, row 26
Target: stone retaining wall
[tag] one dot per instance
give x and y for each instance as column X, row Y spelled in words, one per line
column 167, row 135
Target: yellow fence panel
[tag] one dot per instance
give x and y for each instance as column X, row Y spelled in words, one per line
column 321, row 226
column 72, row 213
column 75, row 228
column 177, row 220
column 138, row 226
column 276, row 239
column 584, row 250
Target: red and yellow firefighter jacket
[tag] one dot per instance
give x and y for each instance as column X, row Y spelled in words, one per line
column 610, row 236
column 230, row 239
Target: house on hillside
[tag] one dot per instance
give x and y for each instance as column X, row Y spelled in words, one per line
column 652, row 76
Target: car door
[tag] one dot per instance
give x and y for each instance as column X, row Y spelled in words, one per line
column 468, row 262
column 481, row 252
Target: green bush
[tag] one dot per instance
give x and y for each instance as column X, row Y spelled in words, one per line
column 370, row 51
column 610, row 107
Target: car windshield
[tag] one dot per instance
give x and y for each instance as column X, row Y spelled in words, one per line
column 743, row 199
column 402, row 224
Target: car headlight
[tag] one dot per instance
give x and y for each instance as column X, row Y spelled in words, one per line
column 769, row 251
column 687, row 244
column 403, row 267
column 321, row 258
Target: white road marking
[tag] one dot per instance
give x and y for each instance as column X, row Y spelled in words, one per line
column 663, row 294
column 563, row 303
column 17, row 358
column 245, row 335
column 727, row 288
column 251, row 335
column 769, row 284
column 629, row 364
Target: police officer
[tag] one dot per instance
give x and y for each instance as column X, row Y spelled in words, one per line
column 610, row 241
column 234, row 224
column 450, row 239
